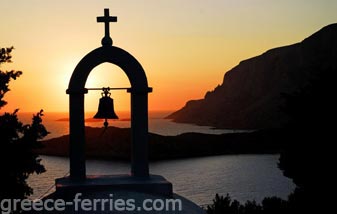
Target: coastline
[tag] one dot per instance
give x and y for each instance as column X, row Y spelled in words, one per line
column 115, row 143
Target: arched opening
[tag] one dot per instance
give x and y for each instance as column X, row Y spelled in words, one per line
column 139, row 109
column 106, row 143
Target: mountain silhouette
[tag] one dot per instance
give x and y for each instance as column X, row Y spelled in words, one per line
column 251, row 95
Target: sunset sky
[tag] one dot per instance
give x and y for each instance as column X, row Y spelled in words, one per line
column 185, row 46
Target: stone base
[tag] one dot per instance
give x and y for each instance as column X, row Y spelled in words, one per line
column 154, row 184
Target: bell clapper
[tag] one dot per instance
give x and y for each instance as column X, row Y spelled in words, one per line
column 106, row 124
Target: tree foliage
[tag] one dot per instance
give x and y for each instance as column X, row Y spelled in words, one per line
column 310, row 130
column 307, row 154
column 17, row 142
column 6, row 76
column 307, row 157
column 225, row 205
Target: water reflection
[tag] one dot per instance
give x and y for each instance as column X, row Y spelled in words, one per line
column 244, row 177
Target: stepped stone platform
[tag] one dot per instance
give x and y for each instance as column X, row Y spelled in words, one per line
column 122, row 194
column 155, row 184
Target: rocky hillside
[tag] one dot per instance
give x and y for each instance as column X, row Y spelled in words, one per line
column 251, row 95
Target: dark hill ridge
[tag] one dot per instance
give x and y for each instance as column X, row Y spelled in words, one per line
column 115, row 143
column 250, row 96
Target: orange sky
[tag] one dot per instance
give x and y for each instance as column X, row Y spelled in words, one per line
column 185, row 46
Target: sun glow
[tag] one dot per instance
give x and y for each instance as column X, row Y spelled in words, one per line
column 185, row 47
column 107, row 75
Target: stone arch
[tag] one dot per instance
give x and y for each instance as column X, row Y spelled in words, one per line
column 114, row 55
column 139, row 109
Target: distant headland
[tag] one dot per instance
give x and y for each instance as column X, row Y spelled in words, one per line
column 250, row 96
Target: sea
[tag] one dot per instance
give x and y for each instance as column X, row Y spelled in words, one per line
column 243, row 177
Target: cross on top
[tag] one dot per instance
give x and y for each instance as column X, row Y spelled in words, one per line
column 107, row 41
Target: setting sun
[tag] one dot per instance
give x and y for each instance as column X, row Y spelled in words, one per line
column 108, row 75
column 196, row 106
column 184, row 47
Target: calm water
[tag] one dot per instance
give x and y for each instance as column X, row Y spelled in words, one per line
column 244, row 177
column 157, row 124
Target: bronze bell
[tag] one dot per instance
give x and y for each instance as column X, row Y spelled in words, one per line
column 106, row 107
